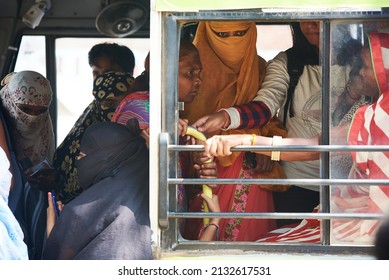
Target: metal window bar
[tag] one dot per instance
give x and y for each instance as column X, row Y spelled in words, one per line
column 323, row 216
column 167, row 199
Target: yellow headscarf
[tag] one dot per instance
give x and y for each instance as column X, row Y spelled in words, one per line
column 232, row 73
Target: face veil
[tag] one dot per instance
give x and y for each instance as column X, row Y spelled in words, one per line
column 110, row 85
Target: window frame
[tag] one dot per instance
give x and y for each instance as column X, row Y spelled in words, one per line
column 169, row 148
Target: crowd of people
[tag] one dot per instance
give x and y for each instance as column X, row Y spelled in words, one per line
column 74, row 208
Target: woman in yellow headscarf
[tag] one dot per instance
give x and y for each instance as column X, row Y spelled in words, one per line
column 232, row 74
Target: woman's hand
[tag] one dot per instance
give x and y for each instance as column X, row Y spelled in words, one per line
column 51, row 216
column 213, row 205
column 145, row 133
column 220, row 145
column 213, row 122
column 182, row 126
column 205, row 166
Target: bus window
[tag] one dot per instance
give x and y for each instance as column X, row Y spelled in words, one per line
column 341, row 62
column 268, row 40
column 74, row 75
column 32, row 54
column 350, row 52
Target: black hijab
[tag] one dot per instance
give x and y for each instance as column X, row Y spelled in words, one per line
column 110, row 218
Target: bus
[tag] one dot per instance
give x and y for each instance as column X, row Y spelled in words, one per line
column 54, row 37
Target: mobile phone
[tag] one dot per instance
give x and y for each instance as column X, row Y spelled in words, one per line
column 41, row 166
column 43, row 172
column 54, row 200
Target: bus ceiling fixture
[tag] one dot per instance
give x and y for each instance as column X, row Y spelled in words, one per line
column 34, row 15
column 122, row 18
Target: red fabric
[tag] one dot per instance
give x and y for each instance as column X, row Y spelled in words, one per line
column 235, row 198
column 369, row 127
column 307, row 231
column 243, row 198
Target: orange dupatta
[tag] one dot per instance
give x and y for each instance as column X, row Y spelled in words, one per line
column 232, row 73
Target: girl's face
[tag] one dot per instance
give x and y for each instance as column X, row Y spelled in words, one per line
column 311, row 31
column 367, row 73
column 189, row 77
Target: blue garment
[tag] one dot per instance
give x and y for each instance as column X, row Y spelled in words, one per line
column 12, row 246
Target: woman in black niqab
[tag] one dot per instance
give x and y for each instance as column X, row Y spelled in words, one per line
column 110, row 218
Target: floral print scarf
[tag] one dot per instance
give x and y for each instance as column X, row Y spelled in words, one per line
column 105, row 86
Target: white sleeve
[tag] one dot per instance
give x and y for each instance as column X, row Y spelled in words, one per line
column 234, row 118
column 275, row 85
column 273, row 90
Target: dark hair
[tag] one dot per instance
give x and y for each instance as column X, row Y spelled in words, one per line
column 187, row 47
column 117, row 54
column 348, row 52
column 302, row 53
column 142, row 82
column 307, row 53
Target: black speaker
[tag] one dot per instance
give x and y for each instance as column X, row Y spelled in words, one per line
column 122, row 18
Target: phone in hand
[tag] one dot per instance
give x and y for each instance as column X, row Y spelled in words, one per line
column 40, row 167
column 54, row 200
column 43, row 173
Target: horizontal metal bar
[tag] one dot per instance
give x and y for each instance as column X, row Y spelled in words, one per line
column 260, row 250
column 277, row 15
column 298, row 182
column 296, row 148
column 265, row 215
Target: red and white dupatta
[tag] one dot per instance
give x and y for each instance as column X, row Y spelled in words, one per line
column 369, row 127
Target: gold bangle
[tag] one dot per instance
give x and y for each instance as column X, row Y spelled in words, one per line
column 275, row 155
column 252, row 139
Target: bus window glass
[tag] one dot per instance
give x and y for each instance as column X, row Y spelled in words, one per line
column 351, row 71
column 32, row 55
column 268, row 40
column 346, row 43
column 74, row 75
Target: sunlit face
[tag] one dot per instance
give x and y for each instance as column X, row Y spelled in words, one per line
column 367, row 74
column 104, row 65
column 32, row 110
column 237, row 33
column 311, row 31
column 189, row 77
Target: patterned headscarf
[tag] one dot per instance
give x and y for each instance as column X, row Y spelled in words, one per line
column 33, row 135
column 110, row 84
